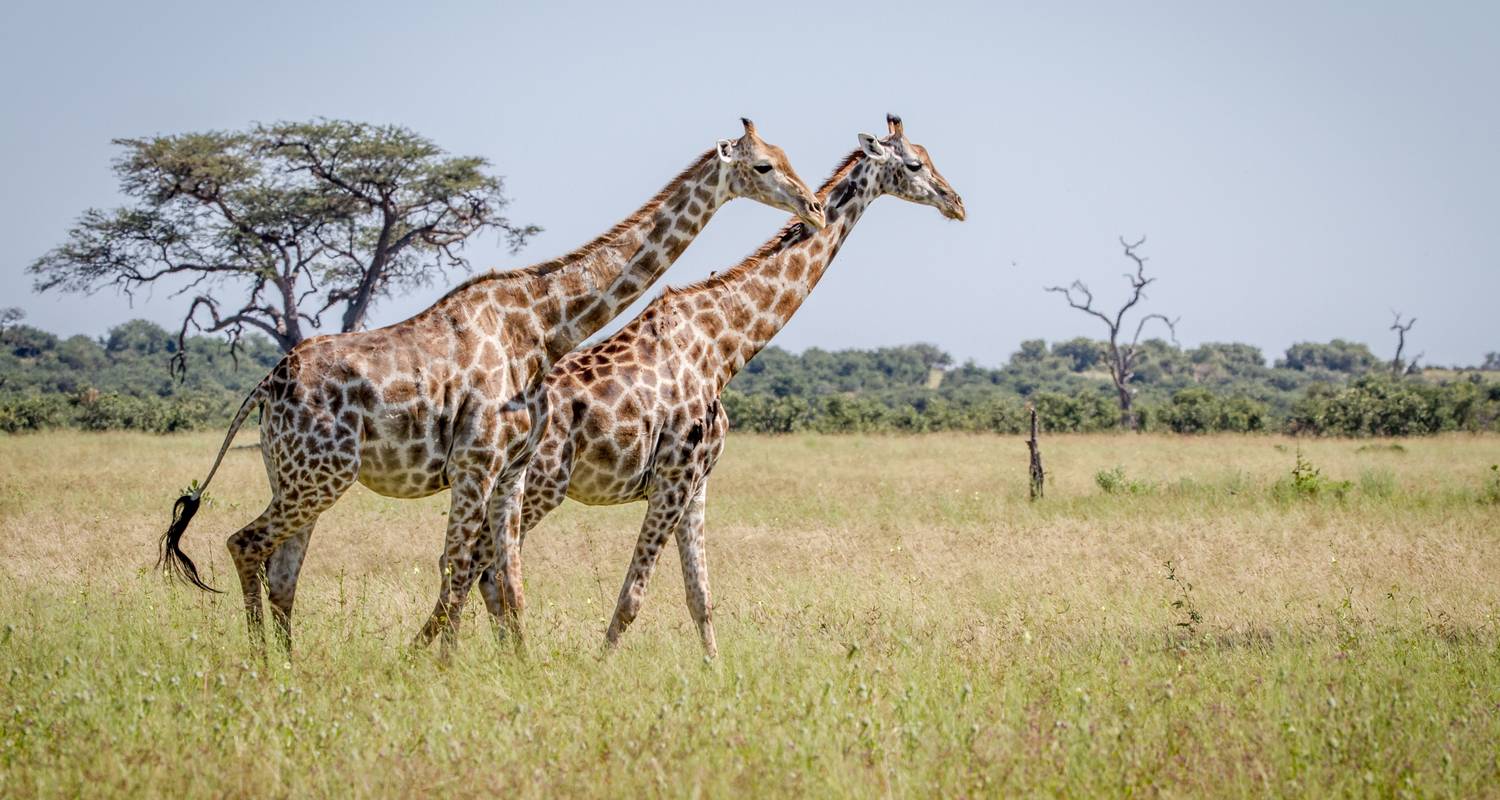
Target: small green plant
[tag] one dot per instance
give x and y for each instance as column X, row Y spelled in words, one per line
column 1491, row 493
column 1306, row 478
column 1113, row 481
column 1188, row 618
column 194, row 489
column 1306, row 481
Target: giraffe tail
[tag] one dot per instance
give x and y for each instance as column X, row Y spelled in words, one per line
column 171, row 559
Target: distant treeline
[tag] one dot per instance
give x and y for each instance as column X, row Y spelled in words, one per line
column 1337, row 388
column 121, row 382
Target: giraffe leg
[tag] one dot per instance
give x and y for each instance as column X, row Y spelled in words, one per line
column 501, row 581
column 489, row 588
column 533, row 508
column 282, row 569
column 250, row 574
column 694, row 556
column 252, row 547
column 298, row 497
column 664, row 511
column 468, row 545
column 508, row 534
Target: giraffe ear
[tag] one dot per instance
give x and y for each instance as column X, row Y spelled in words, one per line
column 726, row 150
column 872, row 147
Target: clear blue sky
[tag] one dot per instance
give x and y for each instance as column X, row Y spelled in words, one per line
column 1299, row 168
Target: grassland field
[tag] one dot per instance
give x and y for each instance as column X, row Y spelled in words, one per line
column 894, row 619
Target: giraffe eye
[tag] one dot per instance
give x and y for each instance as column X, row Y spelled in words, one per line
column 763, row 168
column 914, row 166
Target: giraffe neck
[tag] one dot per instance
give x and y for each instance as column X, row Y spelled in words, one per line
column 575, row 295
column 758, row 296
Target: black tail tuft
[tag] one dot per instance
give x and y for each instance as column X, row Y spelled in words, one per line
column 172, row 559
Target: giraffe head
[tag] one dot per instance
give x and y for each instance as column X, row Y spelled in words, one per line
column 905, row 170
column 759, row 170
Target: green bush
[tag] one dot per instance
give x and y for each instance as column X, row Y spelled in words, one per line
column 22, row 413
column 766, row 413
column 1076, row 413
column 1197, row 410
column 852, row 414
column 111, row 412
column 1382, row 405
column 1113, row 481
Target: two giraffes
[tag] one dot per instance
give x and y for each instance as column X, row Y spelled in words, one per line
column 483, row 393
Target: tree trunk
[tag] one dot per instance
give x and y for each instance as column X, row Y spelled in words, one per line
column 354, row 313
column 1127, row 412
column 1038, row 476
column 290, row 326
column 1120, row 370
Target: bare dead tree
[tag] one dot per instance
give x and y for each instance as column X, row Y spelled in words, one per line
column 1398, row 367
column 1123, row 356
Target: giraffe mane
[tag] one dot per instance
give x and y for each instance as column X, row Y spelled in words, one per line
column 552, row 265
column 791, row 233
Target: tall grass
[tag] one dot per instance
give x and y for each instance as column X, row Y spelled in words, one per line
column 894, row 618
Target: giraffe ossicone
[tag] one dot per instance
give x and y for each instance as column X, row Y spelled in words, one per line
column 453, row 397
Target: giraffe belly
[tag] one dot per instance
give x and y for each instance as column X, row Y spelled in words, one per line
column 411, row 470
column 608, row 475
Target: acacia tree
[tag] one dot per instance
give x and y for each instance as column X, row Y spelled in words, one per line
column 1122, row 356
column 273, row 228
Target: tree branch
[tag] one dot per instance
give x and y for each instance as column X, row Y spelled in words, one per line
column 234, row 323
column 1170, row 323
column 1087, row 306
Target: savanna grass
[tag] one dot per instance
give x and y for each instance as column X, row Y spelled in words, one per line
column 894, row 618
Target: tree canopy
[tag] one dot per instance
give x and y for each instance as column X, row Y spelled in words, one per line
column 279, row 228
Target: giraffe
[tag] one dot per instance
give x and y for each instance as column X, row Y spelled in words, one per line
column 452, row 398
column 637, row 416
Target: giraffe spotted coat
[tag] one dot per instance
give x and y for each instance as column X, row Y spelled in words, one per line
column 637, row 416
column 453, row 397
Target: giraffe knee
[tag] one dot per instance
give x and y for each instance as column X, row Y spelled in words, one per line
column 281, row 594
column 630, row 605
column 248, row 547
column 515, row 600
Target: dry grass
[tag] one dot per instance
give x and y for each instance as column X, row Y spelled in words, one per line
column 895, row 618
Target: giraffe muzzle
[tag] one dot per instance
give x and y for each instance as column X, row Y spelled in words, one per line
column 952, row 206
column 814, row 214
